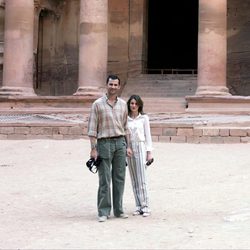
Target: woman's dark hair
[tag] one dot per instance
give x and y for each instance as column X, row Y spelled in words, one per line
column 113, row 77
column 139, row 102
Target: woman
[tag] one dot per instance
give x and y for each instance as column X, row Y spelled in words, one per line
column 141, row 144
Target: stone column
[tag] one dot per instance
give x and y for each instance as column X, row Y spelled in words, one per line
column 212, row 48
column 18, row 48
column 1, row 32
column 93, row 46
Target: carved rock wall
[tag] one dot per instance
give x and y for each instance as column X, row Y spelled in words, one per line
column 56, row 55
column 56, row 43
column 126, row 37
column 56, row 71
column 238, row 61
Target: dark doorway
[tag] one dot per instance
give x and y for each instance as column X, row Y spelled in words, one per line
column 45, row 59
column 172, row 34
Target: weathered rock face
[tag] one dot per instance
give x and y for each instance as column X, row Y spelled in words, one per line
column 56, row 43
column 238, row 61
column 56, row 67
column 127, row 24
column 57, row 52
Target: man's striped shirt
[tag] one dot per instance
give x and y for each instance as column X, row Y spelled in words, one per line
column 106, row 121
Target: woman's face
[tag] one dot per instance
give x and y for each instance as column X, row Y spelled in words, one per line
column 133, row 106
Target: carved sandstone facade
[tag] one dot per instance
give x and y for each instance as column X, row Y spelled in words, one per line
column 67, row 47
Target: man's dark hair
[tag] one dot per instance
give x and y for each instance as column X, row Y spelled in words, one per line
column 113, row 77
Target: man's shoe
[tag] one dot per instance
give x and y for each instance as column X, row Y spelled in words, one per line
column 102, row 218
column 137, row 212
column 122, row 216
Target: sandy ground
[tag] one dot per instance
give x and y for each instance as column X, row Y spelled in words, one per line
column 199, row 198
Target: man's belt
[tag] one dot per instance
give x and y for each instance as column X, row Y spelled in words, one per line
column 112, row 137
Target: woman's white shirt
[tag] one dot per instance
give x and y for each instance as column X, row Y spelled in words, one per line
column 139, row 128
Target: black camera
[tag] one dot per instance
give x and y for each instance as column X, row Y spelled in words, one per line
column 150, row 162
column 93, row 164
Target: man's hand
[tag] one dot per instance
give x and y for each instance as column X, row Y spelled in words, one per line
column 93, row 153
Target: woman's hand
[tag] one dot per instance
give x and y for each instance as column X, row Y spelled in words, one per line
column 129, row 152
column 149, row 156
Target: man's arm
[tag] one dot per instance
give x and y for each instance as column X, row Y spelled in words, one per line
column 129, row 150
column 127, row 134
column 93, row 145
column 92, row 130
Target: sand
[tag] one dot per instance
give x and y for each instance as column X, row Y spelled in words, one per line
column 199, row 196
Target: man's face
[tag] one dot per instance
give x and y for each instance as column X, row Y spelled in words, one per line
column 113, row 86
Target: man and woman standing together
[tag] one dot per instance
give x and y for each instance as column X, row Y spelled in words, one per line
column 119, row 132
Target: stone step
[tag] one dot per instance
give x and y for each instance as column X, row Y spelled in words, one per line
column 155, row 86
column 166, row 76
column 46, row 104
column 159, row 80
column 164, row 128
column 162, row 83
column 159, row 105
column 159, row 92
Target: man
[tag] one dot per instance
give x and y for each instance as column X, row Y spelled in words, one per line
column 109, row 136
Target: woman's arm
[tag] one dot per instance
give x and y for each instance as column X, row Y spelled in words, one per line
column 148, row 138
